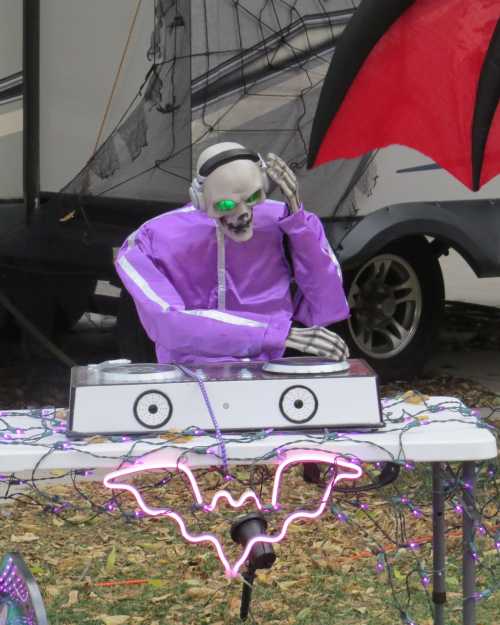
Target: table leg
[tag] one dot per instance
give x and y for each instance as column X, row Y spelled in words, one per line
column 468, row 562
column 438, row 544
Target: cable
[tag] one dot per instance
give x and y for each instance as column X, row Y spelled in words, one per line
column 218, row 433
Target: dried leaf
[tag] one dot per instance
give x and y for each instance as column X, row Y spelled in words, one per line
column 110, row 560
column 157, row 582
column 265, row 578
column 116, row 619
column 423, row 417
column 199, row 592
column 24, row 538
column 58, row 472
column 411, row 397
column 361, row 609
column 160, row 598
column 96, row 439
column 72, row 599
column 52, row 591
column 288, row 584
column 57, row 521
column 172, row 435
column 36, row 570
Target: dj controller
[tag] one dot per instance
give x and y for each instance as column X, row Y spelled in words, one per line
column 116, row 397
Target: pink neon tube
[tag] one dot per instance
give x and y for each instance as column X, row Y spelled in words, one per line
column 291, row 457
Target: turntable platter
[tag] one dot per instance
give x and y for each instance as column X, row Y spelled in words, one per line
column 305, row 364
column 139, row 373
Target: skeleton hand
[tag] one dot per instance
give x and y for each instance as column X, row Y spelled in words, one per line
column 283, row 176
column 319, row 342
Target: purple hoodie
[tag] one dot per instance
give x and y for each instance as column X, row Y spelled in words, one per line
column 202, row 297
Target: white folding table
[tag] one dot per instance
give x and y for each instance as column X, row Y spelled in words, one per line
column 417, row 429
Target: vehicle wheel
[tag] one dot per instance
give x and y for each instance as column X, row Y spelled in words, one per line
column 133, row 342
column 396, row 300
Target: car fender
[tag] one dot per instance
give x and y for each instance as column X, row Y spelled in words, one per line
column 472, row 228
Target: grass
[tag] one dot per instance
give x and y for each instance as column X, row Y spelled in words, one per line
column 324, row 573
column 87, row 566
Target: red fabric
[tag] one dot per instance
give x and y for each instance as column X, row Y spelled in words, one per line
column 418, row 88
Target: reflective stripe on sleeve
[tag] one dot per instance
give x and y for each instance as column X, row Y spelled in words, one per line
column 141, row 283
column 218, row 315
column 329, row 252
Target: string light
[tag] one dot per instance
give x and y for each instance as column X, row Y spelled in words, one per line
column 425, row 579
column 380, row 564
column 408, row 500
column 416, row 512
column 339, row 514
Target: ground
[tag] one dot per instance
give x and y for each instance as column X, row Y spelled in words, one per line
column 107, row 571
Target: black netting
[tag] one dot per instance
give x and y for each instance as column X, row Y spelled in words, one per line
column 242, row 70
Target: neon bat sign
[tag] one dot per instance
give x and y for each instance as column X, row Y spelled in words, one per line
column 291, row 457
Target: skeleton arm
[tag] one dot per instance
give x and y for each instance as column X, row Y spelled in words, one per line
column 279, row 172
column 317, row 272
column 321, row 300
column 318, row 342
column 316, row 268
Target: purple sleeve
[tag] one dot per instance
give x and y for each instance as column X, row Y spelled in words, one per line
column 317, row 271
column 190, row 334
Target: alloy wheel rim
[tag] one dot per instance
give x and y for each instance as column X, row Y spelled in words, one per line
column 385, row 299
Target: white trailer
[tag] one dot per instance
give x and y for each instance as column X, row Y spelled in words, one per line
column 118, row 97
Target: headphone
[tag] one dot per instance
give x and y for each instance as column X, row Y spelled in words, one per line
column 237, row 154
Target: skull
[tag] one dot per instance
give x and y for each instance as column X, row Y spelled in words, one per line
column 230, row 194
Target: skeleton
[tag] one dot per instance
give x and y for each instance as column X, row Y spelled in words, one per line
column 229, row 195
column 283, row 176
column 211, row 280
column 318, row 342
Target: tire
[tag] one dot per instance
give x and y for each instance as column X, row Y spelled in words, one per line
column 392, row 327
column 133, row 342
